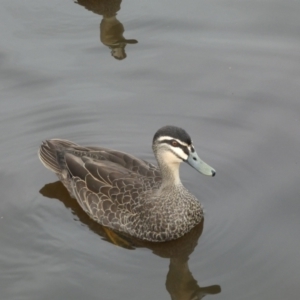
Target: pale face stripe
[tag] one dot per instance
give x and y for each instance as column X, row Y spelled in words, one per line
column 168, row 138
column 179, row 152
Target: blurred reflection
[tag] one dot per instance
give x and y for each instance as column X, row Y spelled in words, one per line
column 180, row 282
column 111, row 29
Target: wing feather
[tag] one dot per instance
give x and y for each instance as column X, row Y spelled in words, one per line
column 105, row 182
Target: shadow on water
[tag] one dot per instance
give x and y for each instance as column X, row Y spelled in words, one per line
column 111, row 29
column 180, row 282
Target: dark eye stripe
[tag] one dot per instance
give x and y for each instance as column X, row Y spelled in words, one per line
column 184, row 148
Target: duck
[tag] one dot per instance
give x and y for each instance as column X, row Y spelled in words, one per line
column 127, row 194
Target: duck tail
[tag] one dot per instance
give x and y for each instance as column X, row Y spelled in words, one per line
column 48, row 155
column 52, row 154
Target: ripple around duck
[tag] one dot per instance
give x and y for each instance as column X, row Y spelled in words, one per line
column 228, row 74
column 240, row 229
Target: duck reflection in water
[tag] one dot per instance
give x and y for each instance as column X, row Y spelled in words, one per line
column 180, row 282
column 111, row 29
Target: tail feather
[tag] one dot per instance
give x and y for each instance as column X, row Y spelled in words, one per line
column 51, row 154
column 47, row 155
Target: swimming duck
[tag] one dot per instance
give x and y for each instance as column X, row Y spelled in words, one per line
column 126, row 193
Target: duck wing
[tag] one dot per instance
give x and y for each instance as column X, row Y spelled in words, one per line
column 109, row 185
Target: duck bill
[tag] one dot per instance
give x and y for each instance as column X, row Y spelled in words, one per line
column 198, row 164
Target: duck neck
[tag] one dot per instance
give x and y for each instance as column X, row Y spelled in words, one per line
column 169, row 174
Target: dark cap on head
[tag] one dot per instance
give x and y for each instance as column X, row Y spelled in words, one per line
column 173, row 131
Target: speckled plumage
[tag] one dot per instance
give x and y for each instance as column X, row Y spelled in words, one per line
column 123, row 192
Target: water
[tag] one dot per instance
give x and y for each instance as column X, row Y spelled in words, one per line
column 228, row 72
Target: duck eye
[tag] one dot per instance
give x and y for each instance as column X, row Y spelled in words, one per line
column 174, row 143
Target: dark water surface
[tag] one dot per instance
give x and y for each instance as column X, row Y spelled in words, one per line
column 226, row 71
